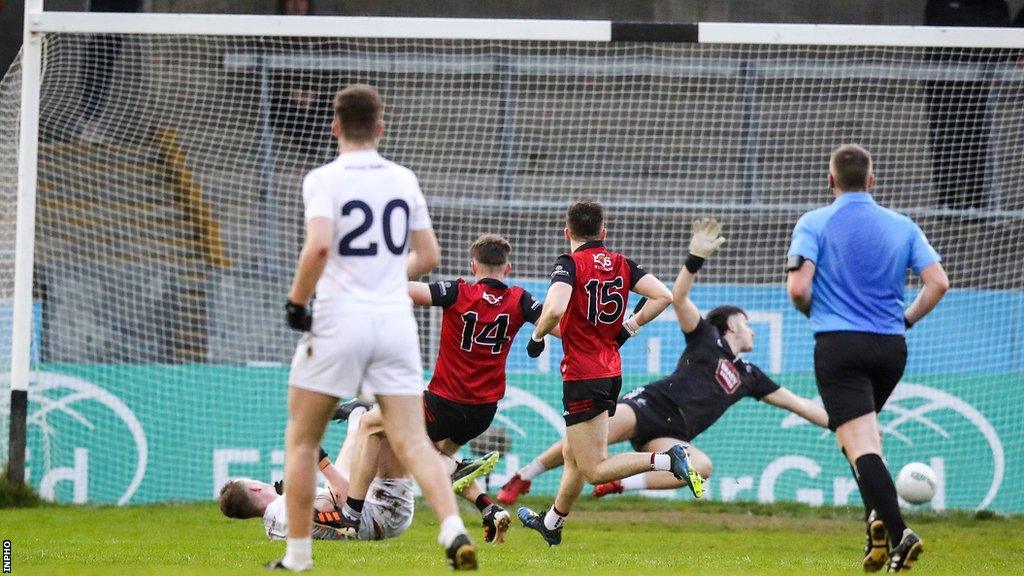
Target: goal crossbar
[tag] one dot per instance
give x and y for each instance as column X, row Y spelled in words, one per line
column 518, row 29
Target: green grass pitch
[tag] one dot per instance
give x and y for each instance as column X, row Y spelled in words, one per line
column 614, row 537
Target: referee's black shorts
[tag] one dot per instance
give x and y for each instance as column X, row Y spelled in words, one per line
column 856, row 372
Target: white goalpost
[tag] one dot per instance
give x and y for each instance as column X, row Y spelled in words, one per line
column 150, row 196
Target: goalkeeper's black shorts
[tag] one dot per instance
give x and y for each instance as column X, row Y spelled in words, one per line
column 656, row 417
column 856, row 372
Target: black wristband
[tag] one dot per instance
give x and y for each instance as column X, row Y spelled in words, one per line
column 907, row 323
column 622, row 337
column 693, row 263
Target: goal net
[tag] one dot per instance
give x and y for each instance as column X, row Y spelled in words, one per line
column 169, row 221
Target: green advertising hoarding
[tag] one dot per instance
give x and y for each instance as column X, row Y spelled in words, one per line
column 136, row 434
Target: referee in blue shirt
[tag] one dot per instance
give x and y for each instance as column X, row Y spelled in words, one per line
column 847, row 269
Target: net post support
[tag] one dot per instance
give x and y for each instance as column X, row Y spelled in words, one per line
column 28, row 154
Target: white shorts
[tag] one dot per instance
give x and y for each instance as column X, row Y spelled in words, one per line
column 388, row 509
column 360, row 354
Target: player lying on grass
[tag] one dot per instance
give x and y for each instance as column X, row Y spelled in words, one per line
column 480, row 321
column 386, row 514
column 709, row 378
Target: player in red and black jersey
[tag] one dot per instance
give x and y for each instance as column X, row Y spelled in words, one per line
column 709, row 378
column 587, row 300
column 480, row 321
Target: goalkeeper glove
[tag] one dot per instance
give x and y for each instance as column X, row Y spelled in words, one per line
column 298, row 317
column 534, row 347
column 706, row 238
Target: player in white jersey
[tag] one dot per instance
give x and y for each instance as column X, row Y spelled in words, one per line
column 389, row 502
column 367, row 233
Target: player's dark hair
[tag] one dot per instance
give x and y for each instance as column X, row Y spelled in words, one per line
column 585, row 219
column 236, row 501
column 850, row 166
column 719, row 317
column 358, row 108
column 490, row 250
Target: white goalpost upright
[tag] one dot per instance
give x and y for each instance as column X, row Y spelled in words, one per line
column 154, row 214
column 21, row 317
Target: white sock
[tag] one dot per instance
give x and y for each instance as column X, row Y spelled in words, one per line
column 298, row 554
column 636, row 482
column 451, row 527
column 660, row 461
column 553, row 520
column 532, row 470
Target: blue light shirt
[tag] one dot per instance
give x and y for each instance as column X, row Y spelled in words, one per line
column 861, row 252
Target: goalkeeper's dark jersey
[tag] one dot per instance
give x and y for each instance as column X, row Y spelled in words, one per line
column 707, row 381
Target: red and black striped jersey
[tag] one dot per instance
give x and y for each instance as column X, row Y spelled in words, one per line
column 601, row 281
column 480, row 322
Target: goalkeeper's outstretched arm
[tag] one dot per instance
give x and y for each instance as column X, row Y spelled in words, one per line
column 686, row 311
column 798, row 405
column 705, row 241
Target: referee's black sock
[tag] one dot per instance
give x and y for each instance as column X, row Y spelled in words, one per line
column 876, row 482
column 860, row 488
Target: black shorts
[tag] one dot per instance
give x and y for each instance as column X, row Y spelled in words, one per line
column 856, row 372
column 656, row 417
column 583, row 400
column 459, row 422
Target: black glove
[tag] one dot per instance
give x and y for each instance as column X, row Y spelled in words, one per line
column 622, row 337
column 298, row 317
column 279, row 486
column 534, row 347
column 907, row 323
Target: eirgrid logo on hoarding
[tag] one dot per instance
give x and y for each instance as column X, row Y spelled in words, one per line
column 79, row 428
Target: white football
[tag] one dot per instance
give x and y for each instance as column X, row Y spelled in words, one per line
column 916, row 483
